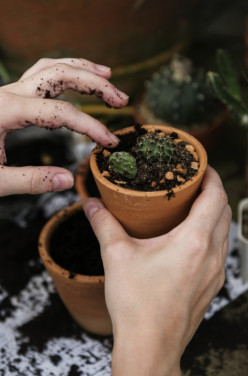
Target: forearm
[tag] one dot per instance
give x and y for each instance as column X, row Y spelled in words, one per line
column 139, row 355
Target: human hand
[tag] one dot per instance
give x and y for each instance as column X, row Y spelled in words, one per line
column 28, row 101
column 158, row 290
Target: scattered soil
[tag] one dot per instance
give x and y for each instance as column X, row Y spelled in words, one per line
column 74, row 246
column 152, row 176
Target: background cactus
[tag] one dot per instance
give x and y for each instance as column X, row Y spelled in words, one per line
column 155, row 147
column 179, row 93
column 226, row 86
column 123, row 163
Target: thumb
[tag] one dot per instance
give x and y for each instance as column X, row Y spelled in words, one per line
column 33, row 180
column 106, row 228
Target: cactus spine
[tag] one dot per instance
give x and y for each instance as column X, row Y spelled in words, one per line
column 155, row 147
column 123, row 164
column 179, row 94
column 226, row 86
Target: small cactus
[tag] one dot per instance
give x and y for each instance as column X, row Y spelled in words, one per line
column 123, row 163
column 226, row 86
column 179, row 94
column 155, row 147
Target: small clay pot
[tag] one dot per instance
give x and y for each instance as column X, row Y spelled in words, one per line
column 82, row 295
column 149, row 214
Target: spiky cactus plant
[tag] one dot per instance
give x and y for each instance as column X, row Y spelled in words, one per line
column 155, row 147
column 123, row 164
column 179, row 94
column 226, row 85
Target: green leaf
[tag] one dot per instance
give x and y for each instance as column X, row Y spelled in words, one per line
column 235, row 105
column 228, row 73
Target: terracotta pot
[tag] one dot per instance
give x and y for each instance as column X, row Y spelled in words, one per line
column 84, row 181
column 82, row 295
column 148, row 214
column 207, row 135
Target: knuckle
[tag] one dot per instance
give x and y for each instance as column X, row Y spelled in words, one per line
column 66, row 106
column 36, row 181
column 99, row 217
column 60, row 67
column 216, row 266
column 43, row 61
column 33, row 181
column 200, row 241
column 221, row 196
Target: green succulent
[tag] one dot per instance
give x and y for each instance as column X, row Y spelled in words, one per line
column 155, row 147
column 179, row 94
column 123, row 163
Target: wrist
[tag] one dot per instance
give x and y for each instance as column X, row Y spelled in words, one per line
column 141, row 353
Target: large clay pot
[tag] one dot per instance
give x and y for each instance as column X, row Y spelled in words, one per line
column 148, row 214
column 82, row 295
column 130, row 36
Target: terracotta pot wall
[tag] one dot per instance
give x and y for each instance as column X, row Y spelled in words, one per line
column 109, row 32
column 82, row 295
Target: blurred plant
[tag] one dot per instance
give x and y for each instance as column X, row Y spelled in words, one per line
column 226, row 87
column 4, row 75
column 179, row 94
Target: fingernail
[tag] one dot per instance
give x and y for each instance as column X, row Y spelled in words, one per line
column 114, row 138
column 121, row 95
column 102, row 68
column 91, row 206
column 62, row 181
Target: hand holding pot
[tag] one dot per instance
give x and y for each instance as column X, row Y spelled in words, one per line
column 158, row 289
column 29, row 101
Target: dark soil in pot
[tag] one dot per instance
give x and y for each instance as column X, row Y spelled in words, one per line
column 75, row 247
column 152, row 176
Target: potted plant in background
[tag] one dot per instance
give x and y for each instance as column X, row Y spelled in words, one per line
column 178, row 95
column 226, row 86
column 150, row 180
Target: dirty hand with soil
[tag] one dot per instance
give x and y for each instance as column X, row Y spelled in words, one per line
column 29, row 101
column 158, row 290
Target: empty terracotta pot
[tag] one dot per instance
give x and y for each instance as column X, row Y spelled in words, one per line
column 82, row 295
column 149, row 214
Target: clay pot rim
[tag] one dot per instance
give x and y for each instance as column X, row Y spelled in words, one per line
column 44, row 246
column 81, row 175
column 168, row 129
